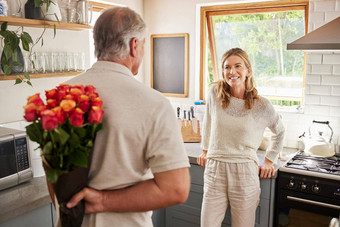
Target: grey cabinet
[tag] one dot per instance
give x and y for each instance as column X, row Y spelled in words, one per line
column 188, row 213
column 41, row 217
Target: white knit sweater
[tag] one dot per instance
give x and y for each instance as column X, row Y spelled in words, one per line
column 235, row 133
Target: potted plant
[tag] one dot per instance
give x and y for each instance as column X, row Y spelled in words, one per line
column 11, row 59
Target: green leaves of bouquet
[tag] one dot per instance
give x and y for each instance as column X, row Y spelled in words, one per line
column 65, row 127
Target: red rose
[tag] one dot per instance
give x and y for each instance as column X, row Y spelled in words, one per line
column 49, row 120
column 68, row 105
column 77, row 117
column 35, row 99
column 51, row 103
column 89, row 89
column 95, row 115
column 84, row 102
column 97, row 102
column 61, row 94
column 30, row 112
column 93, row 95
column 64, row 87
column 60, row 114
column 51, row 94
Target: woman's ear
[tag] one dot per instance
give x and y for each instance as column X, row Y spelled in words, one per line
column 249, row 72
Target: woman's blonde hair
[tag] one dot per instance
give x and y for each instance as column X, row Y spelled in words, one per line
column 223, row 89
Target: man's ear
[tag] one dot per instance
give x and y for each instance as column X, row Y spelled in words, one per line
column 133, row 47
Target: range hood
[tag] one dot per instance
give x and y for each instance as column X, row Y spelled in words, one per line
column 326, row 37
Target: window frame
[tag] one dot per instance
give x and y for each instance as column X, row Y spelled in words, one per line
column 206, row 30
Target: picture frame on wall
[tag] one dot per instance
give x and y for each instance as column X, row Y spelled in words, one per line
column 170, row 64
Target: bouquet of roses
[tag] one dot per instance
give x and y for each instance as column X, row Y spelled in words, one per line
column 65, row 128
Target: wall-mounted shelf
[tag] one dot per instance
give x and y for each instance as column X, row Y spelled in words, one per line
column 17, row 21
column 40, row 75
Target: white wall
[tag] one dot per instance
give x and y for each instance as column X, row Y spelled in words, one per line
column 323, row 68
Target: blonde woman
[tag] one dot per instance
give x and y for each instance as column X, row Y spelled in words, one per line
column 234, row 122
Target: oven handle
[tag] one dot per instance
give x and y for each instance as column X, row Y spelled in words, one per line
column 313, row 202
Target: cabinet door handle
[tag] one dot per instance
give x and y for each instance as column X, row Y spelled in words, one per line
column 313, row 202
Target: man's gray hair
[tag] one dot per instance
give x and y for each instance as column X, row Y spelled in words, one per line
column 113, row 32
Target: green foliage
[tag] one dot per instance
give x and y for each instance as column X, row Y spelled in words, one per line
column 65, row 147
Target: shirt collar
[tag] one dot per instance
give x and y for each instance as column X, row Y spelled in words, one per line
column 111, row 66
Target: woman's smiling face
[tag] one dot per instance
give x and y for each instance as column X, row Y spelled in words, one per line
column 235, row 71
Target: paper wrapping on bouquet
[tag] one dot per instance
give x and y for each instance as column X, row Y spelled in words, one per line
column 67, row 185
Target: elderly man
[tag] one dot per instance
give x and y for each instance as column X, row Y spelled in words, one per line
column 139, row 162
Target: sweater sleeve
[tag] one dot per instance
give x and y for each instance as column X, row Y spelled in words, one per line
column 277, row 127
column 206, row 126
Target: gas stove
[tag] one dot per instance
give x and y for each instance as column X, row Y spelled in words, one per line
column 316, row 166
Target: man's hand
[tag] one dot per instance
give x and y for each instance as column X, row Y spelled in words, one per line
column 266, row 170
column 165, row 189
column 202, row 159
column 93, row 200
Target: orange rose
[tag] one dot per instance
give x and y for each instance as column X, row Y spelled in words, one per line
column 80, row 87
column 51, row 103
column 35, row 99
column 60, row 114
column 69, row 97
column 51, row 94
column 77, row 117
column 76, row 92
column 68, row 105
column 97, row 102
column 84, row 102
column 95, row 115
column 49, row 120
column 39, row 109
column 30, row 112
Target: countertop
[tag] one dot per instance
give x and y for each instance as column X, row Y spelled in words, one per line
column 23, row 198
column 33, row 194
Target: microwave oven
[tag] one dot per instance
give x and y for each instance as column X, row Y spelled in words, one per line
column 15, row 162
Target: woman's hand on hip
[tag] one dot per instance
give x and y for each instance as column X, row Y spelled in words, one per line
column 202, row 159
column 266, row 170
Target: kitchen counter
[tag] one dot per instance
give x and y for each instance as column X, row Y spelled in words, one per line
column 23, row 198
column 33, row 194
column 194, row 150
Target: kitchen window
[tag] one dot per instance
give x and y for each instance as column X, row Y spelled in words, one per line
column 263, row 30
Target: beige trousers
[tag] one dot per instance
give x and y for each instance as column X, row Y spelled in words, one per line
column 234, row 184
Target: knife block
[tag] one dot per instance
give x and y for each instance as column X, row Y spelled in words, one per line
column 188, row 133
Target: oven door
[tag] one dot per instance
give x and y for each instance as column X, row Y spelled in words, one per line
column 297, row 207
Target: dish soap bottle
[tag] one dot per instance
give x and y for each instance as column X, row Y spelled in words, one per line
column 3, row 8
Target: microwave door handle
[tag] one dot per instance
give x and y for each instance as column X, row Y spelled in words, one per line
column 313, row 202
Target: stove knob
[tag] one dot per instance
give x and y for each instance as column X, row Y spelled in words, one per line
column 291, row 184
column 303, row 186
column 315, row 189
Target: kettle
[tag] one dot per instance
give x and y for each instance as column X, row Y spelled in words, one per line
column 83, row 8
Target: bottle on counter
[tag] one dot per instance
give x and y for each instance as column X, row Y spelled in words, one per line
column 3, row 8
